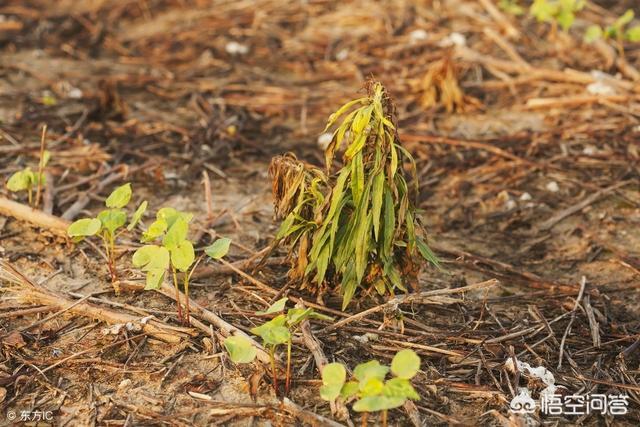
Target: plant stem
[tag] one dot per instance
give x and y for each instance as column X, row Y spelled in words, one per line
column 288, row 378
column 109, row 248
column 186, row 294
column 365, row 417
column 384, row 418
column 175, row 285
column 272, row 358
column 30, row 195
column 41, row 165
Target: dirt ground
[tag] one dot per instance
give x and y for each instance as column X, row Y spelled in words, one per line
column 530, row 175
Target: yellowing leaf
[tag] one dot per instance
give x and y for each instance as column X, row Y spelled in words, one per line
column 219, row 248
column 120, row 197
column 84, row 227
column 240, row 349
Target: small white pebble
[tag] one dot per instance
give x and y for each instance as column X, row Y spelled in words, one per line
column 525, row 197
column 553, row 187
column 324, row 140
column 235, row 48
column 589, row 150
column 511, row 204
column 75, row 93
column 126, row 383
column 342, row 54
column 600, row 88
column 453, row 39
column 418, row 36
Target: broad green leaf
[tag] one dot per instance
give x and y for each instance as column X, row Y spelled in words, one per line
column 371, row 369
column 112, row 219
column 633, row 34
column 119, row 197
column 182, row 256
column 333, row 378
column 137, row 215
column 297, row 315
column 21, row 180
column 400, row 387
column 377, row 403
column 151, row 257
column 405, row 364
column 350, row 389
column 593, row 33
column 276, row 335
column 155, row 230
column 219, row 248
column 176, row 234
column 170, row 215
column 371, row 386
column 84, row 227
column 275, row 307
column 279, row 320
column 240, row 349
column 155, row 276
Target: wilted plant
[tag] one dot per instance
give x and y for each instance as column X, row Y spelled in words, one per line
column 279, row 330
column 369, row 387
column 26, row 179
column 108, row 224
column 176, row 253
column 615, row 31
column 561, row 12
column 358, row 228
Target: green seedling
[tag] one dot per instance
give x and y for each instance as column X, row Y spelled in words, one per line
column 279, row 330
column 240, row 349
column 561, row 12
column 368, row 386
column 26, row 179
column 615, row 31
column 109, row 225
column 359, row 227
column 176, row 253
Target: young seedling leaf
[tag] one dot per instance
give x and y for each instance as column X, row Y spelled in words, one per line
column 177, row 233
column 20, row 181
column 155, row 230
column 350, row 389
column 371, row 369
column 119, row 197
column 170, row 215
column 276, row 307
column 137, row 215
column 240, row 349
column 371, row 386
column 112, row 219
column 84, row 227
column 219, row 248
column 182, row 255
column 151, row 257
column 400, row 387
column 276, row 335
column 333, row 378
column 279, row 320
column 377, row 403
column 155, row 276
column 405, row 364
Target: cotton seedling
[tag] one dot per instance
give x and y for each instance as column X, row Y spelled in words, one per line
column 279, row 330
column 369, row 389
column 26, row 179
column 561, row 12
column 175, row 253
column 358, row 228
column 109, row 225
column 615, row 31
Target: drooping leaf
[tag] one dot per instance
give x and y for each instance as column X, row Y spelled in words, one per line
column 240, row 349
column 137, row 215
column 84, row 227
column 154, row 279
column 276, row 335
column 279, row 320
column 219, row 248
column 405, row 364
column 120, row 197
column 333, row 378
